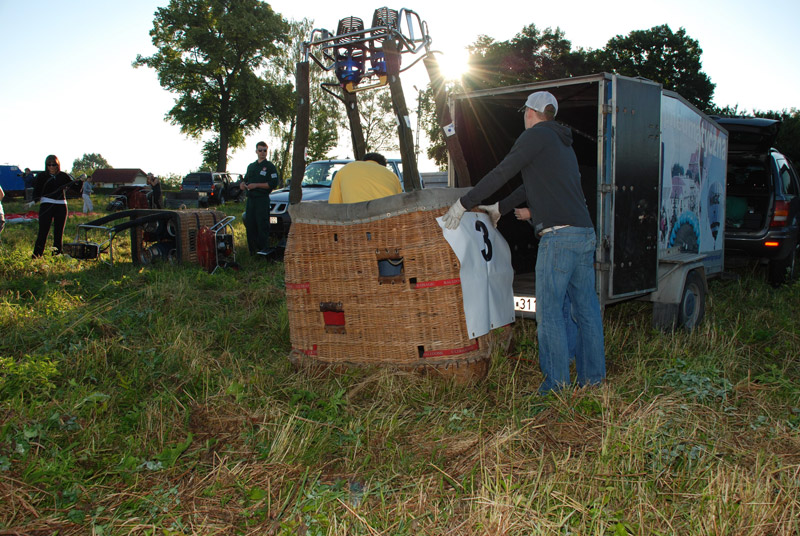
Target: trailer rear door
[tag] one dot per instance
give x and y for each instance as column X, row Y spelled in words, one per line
column 635, row 106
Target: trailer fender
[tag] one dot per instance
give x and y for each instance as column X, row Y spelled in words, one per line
column 672, row 279
column 680, row 300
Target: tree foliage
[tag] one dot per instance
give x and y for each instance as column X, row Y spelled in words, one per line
column 326, row 116
column 788, row 140
column 437, row 148
column 532, row 55
column 88, row 163
column 210, row 154
column 378, row 120
column 659, row 54
column 211, row 53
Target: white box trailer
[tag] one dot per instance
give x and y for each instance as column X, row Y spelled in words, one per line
column 652, row 170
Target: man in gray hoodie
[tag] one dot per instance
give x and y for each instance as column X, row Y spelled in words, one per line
column 551, row 185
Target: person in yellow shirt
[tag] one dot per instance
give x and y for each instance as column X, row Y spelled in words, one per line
column 364, row 180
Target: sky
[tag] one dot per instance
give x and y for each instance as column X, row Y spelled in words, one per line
column 68, row 87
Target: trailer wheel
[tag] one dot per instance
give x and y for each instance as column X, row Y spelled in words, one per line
column 693, row 302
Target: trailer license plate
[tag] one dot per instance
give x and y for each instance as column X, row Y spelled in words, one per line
column 525, row 303
column 273, row 220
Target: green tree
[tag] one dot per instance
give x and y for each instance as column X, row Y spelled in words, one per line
column 323, row 132
column 437, row 148
column 788, row 140
column 172, row 181
column 378, row 120
column 210, row 154
column 532, row 55
column 327, row 116
column 88, row 163
column 659, row 54
column 211, row 53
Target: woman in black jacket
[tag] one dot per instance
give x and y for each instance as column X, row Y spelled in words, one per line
column 48, row 190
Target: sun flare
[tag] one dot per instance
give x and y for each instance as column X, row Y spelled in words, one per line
column 453, row 64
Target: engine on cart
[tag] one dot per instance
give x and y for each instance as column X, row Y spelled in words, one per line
column 203, row 237
column 215, row 246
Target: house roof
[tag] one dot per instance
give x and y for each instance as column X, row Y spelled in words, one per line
column 117, row 176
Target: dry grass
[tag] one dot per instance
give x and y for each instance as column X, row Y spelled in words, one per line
column 174, row 411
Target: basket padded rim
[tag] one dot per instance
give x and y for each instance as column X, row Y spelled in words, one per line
column 349, row 213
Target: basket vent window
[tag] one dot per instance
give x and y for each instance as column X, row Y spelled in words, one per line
column 335, row 237
column 369, row 236
column 390, row 270
column 333, row 317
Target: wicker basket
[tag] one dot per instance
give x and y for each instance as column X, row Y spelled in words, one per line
column 376, row 283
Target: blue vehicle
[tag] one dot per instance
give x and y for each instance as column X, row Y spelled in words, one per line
column 11, row 180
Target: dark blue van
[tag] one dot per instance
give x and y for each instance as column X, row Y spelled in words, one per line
column 11, row 180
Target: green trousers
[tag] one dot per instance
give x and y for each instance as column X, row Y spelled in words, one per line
column 256, row 221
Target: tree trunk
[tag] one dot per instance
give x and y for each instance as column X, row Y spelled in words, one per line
column 222, row 160
column 224, row 133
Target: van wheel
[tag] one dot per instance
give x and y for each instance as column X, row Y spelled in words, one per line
column 693, row 302
column 784, row 270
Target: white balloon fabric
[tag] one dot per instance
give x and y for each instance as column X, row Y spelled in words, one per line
column 486, row 272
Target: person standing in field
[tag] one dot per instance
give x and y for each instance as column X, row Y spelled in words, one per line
column 49, row 191
column 86, row 194
column 2, row 213
column 259, row 180
column 551, row 185
column 155, row 195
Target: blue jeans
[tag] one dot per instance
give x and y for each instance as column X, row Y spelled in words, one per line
column 565, row 271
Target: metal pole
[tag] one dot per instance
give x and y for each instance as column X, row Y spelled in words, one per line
column 350, row 101
column 419, row 120
column 301, row 136
column 457, row 160
column 410, row 171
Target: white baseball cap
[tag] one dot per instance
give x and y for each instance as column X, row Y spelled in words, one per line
column 539, row 100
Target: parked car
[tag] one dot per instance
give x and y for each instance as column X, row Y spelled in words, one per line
column 316, row 186
column 762, row 207
column 213, row 188
column 129, row 197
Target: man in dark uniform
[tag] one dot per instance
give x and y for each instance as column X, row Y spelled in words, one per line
column 261, row 178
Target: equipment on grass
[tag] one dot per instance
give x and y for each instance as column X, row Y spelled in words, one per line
column 160, row 235
column 215, row 246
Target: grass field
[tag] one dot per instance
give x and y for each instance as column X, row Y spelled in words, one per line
column 160, row 401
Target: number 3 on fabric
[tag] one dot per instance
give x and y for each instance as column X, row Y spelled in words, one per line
column 482, row 228
column 486, row 273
